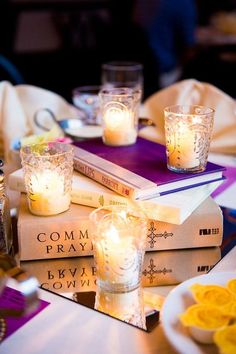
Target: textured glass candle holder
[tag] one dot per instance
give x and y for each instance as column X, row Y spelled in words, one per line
column 119, row 109
column 48, row 170
column 119, row 240
column 188, row 132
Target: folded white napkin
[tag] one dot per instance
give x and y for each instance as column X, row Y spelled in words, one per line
column 18, row 106
column 194, row 92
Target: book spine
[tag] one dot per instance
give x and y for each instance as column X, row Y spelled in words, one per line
column 71, row 238
column 170, row 211
column 42, row 240
column 159, row 268
column 104, row 178
column 96, row 199
column 199, row 230
column 92, row 198
column 16, row 182
column 78, row 195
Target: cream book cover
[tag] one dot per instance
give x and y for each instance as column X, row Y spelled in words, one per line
column 173, row 208
column 68, row 234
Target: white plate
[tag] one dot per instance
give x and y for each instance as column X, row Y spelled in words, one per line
column 85, row 131
column 176, row 303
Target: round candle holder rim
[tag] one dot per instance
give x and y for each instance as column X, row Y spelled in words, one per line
column 27, row 150
column 120, row 92
column 115, row 209
column 121, row 65
column 173, row 110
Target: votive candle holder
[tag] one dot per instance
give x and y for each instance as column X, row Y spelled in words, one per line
column 48, row 170
column 188, row 130
column 119, row 109
column 119, row 241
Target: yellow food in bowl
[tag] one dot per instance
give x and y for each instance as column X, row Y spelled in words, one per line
column 203, row 320
column 231, row 285
column 204, row 316
column 230, row 309
column 212, row 294
column 225, row 339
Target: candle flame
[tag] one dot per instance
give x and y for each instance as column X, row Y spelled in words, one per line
column 113, row 234
column 47, row 181
column 116, row 117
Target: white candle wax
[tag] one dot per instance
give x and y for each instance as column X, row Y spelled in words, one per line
column 47, row 195
column 183, row 154
column 117, row 258
column 119, row 128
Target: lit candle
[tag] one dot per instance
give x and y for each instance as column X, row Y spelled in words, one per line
column 48, row 170
column 119, row 241
column 188, row 134
column 119, row 127
column 46, row 196
column 117, row 258
column 183, row 152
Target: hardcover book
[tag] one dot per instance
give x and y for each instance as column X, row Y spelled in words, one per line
column 68, row 234
column 137, row 171
column 159, row 268
column 173, row 208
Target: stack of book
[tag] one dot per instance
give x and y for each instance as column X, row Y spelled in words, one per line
column 184, row 221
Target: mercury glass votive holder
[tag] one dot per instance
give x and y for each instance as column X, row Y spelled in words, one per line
column 188, row 130
column 119, row 108
column 48, row 170
column 119, row 240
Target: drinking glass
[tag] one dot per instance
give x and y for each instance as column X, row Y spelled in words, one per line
column 188, row 132
column 119, row 240
column 122, row 74
column 86, row 99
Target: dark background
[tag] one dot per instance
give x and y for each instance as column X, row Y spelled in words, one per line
column 90, row 32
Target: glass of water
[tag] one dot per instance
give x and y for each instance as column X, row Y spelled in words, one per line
column 85, row 98
column 117, row 74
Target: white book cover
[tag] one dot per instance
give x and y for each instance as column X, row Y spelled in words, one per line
column 68, row 234
column 173, row 208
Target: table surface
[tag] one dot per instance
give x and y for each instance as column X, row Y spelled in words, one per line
column 68, row 327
